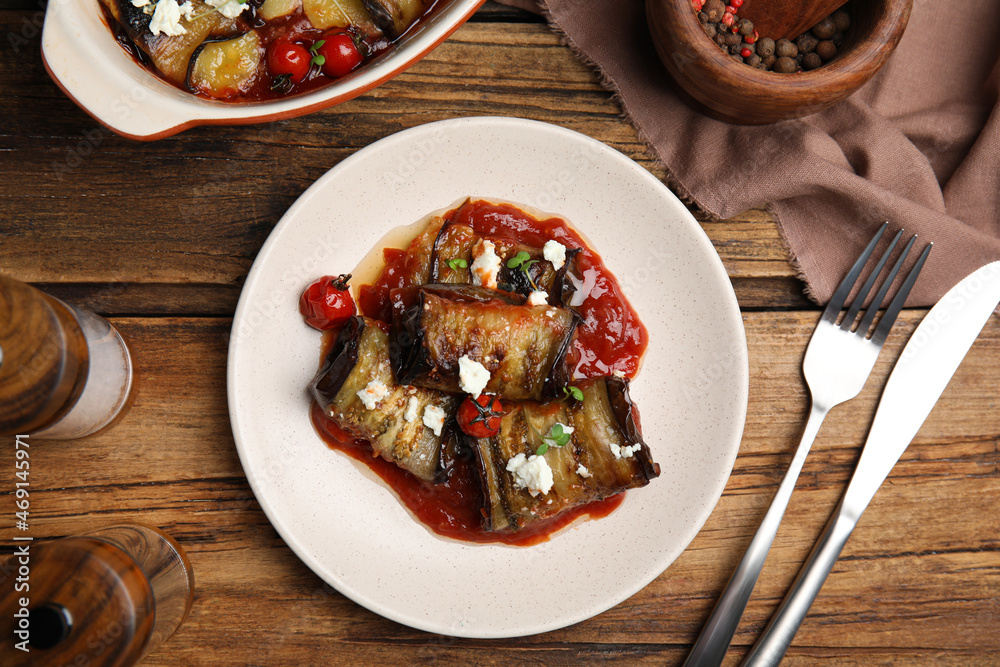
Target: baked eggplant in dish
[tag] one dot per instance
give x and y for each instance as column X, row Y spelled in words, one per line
column 257, row 50
column 491, row 362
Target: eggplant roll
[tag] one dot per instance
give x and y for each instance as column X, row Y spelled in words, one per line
column 458, row 241
column 356, row 388
column 605, row 455
column 523, row 347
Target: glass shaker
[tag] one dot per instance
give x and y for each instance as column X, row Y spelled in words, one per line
column 64, row 372
column 101, row 599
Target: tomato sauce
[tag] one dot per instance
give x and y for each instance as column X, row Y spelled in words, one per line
column 610, row 338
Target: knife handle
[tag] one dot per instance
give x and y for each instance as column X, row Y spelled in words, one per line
column 780, row 631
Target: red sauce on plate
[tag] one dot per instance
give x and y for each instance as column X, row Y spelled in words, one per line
column 610, row 338
column 451, row 509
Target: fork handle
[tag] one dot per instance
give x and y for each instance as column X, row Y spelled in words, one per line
column 713, row 642
column 777, row 636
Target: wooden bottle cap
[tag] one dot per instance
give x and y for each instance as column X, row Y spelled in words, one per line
column 87, row 598
column 43, row 358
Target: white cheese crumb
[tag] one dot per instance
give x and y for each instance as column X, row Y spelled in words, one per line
column 140, row 3
column 624, row 452
column 434, row 418
column 472, row 376
column 167, row 19
column 532, row 473
column 582, row 471
column 485, row 265
column 373, row 392
column 538, row 298
column 411, row 409
column 618, row 374
column 555, row 252
column 228, row 8
column 550, row 312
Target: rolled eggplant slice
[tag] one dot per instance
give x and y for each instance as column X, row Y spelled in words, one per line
column 523, row 347
column 226, row 68
column 172, row 55
column 458, row 241
column 357, row 370
column 604, row 456
column 325, row 14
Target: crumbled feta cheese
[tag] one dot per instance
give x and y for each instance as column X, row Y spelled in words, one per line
column 618, row 374
column 485, row 265
column 624, row 452
column 140, row 3
column 565, row 429
column 555, row 252
column 582, row 471
column 532, row 473
column 167, row 19
column 472, row 376
column 434, row 418
column 411, row 409
column 538, row 298
column 228, row 8
column 373, row 392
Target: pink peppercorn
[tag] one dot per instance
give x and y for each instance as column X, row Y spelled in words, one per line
column 731, row 9
column 746, row 53
column 728, row 19
column 698, row 4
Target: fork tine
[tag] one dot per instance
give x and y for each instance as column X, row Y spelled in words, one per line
column 876, row 303
column 840, row 295
column 859, row 300
column 882, row 330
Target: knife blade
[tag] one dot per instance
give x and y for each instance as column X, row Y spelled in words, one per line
column 931, row 356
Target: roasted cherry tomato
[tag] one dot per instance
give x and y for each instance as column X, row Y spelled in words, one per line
column 338, row 54
column 328, row 302
column 288, row 60
column 480, row 417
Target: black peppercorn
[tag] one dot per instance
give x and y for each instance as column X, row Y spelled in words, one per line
column 785, row 48
column 703, row 17
column 711, row 29
column 732, row 39
column 765, row 47
column 806, row 43
column 746, row 27
column 824, row 29
column 826, row 50
column 754, row 61
column 714, row 9
column 768, row 61
column 720, row 39
column 811, row 61
column 785, row 65
column 841, row 19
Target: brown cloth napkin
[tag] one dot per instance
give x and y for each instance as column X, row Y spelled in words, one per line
column 918, row 145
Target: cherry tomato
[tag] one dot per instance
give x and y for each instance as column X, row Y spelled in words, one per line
column 286, row 59
column 480, row 417
column 339, row 54
column 327, row 303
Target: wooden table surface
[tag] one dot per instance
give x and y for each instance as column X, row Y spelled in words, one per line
column 159, row 237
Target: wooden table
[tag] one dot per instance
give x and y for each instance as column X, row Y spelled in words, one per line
column 159, row 237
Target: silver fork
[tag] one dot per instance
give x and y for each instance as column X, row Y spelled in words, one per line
column 836, row 366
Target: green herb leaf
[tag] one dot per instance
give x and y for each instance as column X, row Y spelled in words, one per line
column 457, row 263
column 315, row 47
column 518, row 260
column 544, row 447
column 575, row 392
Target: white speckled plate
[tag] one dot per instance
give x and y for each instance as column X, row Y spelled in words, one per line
column 692, row 389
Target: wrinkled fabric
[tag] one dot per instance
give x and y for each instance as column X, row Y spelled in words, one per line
column 918, row 145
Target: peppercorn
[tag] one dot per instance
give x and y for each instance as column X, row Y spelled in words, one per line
column 720, row 39
column 785, row 48
column 806, row 43
column 732, row 40
column 768, row 61
column 749, row 46
column 754, row 60
column 711, row 29
column 703, row 17
column 841, row 19
column 765, row 46
column 811, row 61
column 714, row 9
column 826, row 50
column 746, row 27
column 824, row 29
column 785, row 65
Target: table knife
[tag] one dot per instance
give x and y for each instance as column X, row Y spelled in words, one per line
column 923, row 370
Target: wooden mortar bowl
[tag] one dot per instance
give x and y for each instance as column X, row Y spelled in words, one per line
column 713, row 82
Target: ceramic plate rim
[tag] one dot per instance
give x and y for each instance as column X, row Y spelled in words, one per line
column 513, row 130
